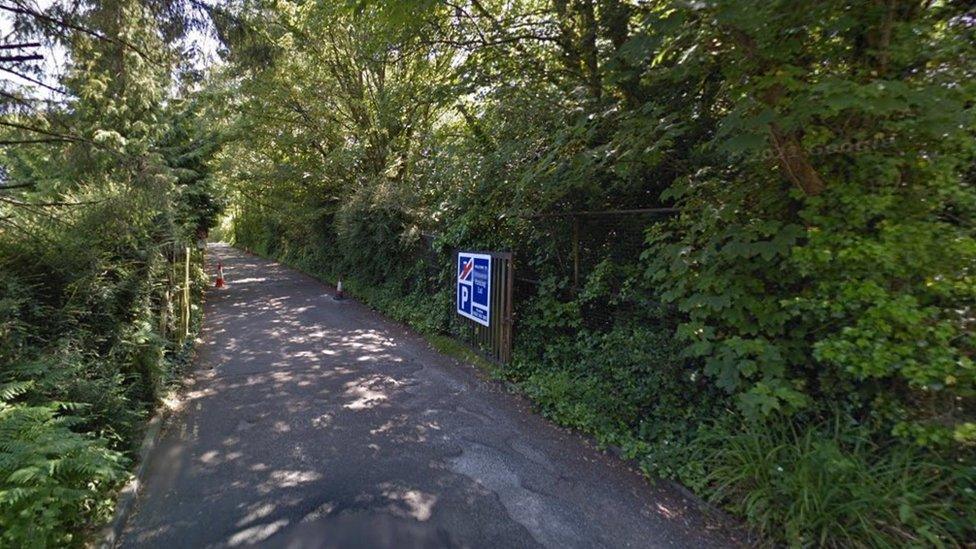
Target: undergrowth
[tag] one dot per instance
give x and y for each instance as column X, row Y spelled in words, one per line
column 830, row 484
column 81, row 369
column 802, row 481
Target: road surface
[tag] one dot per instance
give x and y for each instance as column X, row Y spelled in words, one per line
column 314, row 423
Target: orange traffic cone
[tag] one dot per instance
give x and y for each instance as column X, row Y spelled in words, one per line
column 220, row 275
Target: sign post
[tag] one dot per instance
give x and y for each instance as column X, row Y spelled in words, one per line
column 474, row 287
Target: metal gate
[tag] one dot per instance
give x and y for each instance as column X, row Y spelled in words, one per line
column 495, row 340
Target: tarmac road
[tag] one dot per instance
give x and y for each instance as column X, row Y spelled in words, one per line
column 315, row 423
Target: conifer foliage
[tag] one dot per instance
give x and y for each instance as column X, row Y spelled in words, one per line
column 101, row 191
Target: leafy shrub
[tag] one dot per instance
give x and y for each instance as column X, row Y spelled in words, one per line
column 858, row 290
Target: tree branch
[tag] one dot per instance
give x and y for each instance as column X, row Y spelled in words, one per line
column 17, row 186
column 48, row 204
column 18, row 46
column 9, row 142
column 20, row 58
column 21, row 10
column 33, row 80
column 790, row 154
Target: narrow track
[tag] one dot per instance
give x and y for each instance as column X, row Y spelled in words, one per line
column 316, row 423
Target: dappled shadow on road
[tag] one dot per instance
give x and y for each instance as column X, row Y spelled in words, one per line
column 287, row 406
column 311, row 423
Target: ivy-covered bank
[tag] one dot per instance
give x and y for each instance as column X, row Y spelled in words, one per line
column 794, row 343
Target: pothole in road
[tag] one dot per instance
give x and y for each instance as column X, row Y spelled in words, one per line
column 547, row 523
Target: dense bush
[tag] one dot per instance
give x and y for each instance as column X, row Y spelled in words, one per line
column 91, row 340
column 818, row 272
column 102, row 188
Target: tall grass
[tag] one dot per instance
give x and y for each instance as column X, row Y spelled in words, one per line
column 829, row 485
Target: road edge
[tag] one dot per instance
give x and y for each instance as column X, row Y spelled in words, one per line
column 110, row 534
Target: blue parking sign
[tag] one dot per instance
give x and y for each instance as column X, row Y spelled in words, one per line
column 474, row 287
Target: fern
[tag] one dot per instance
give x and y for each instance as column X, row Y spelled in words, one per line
column 52, row 479
column 12, row 390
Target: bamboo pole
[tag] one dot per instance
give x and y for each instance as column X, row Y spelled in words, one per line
column 576, row 260
column 186, row 295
